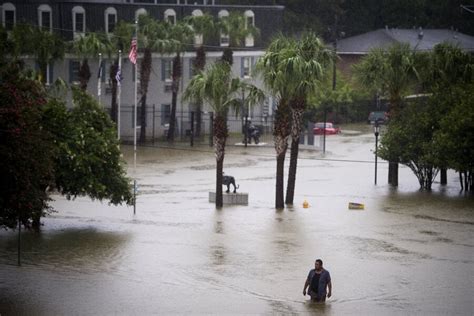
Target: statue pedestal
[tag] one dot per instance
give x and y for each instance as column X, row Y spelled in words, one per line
column 231, row 198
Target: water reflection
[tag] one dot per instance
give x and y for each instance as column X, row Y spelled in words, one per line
column 86, row 250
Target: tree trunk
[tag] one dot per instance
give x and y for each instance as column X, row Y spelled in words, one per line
column 220, row 136
column 199, row 65
column 174, row 97
column 281, row 132
column 198, row 120
column 444, row 176
column 290, row 187
column 280, row 175
column 228, row 56
column 393, row 173
column 296, row 116
column 144, row 81
column 84, row 75
column 114, row 105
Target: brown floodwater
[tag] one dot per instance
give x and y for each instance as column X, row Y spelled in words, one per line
column 407, row 252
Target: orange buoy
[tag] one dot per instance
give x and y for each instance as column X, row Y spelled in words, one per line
column 305, row 204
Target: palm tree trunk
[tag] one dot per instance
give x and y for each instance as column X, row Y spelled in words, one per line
column 297, row 114
column 281, row 132
column 144, row 81
column 280, row 174
column 199, row 64
column 198, row 119
column 113, row 105
column 220, row 136
column 290, row 188
column 174, row 97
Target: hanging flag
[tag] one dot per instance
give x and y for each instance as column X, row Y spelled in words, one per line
column 118, row 76
column 133, row 51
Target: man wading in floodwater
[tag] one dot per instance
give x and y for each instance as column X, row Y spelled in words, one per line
column 318, row 280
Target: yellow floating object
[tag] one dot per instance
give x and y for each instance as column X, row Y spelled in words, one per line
column 305, row 204
column 356, row 206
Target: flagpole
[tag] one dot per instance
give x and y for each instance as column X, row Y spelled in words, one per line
column 99, row 79
column 136, row 87
column 119, row 92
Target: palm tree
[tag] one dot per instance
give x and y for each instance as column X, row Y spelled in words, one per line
column 89, row 45
column 152, row 37
column 277, row 82
column 235, row 27
column 216, row 87
column 392, row 71
column 179, row 35
column 204, row 28
column 304, row 63
column 44, row 45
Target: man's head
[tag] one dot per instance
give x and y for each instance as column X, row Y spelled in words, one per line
column 318, row 264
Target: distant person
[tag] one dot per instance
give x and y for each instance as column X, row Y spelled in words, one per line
column 318, row 280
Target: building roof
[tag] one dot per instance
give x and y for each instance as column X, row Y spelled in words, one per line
column 419, row 39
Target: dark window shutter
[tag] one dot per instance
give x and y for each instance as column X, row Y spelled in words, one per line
column 242, row 61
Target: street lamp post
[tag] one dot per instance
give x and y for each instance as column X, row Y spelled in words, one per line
column 376, row 133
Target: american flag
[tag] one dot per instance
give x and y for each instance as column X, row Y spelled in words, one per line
column 118, row 76
column 133, row 51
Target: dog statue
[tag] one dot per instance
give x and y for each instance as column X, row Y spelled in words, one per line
column 228, row 180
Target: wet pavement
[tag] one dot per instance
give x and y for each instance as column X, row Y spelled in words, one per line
column 408, row 252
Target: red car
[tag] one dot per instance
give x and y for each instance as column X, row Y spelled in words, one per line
column 330, row 129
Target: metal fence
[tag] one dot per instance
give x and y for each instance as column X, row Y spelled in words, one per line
column 196, row 127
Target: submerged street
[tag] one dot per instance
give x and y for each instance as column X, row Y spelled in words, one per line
column 408, row 252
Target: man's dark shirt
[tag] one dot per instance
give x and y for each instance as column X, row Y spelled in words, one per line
column 323, row 279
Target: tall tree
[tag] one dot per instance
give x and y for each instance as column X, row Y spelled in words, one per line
column 305, row 63
column 392, row 71
column 151, row 38
column 276, row 81
column 204, row 29
column 216, row 87
column 46, row 46
column 180, row 36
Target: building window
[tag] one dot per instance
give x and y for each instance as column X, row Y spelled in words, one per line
column 45, row 20
column 8, row 16
column 170, row 16
column 78, row 21
column 249, row 22
column 110, row 20
column 139, row 12
column 165, row 114
column 167, row 70
column 247, row 67
column 74, row 67
column 224, row 37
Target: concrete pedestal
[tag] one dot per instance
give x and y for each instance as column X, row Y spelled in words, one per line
column 231, row 198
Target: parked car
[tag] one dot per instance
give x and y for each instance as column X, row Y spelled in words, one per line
column 330, row 129
column 377, row 116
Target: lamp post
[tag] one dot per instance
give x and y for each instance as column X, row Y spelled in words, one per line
column 376, row 133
